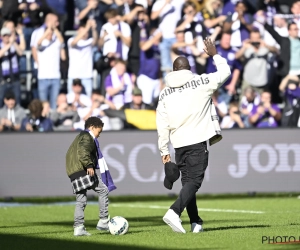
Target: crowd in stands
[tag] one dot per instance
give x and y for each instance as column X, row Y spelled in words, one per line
column 101, row 57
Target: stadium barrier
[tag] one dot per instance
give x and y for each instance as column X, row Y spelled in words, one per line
column 266, row 160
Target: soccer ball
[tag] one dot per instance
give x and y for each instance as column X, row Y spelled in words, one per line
column 118, row 225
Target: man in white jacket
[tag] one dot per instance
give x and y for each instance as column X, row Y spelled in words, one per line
column 186, row 116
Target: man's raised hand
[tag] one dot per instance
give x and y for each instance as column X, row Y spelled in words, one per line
column 210, row 47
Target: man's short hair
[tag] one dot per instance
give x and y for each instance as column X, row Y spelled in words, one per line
column 9, row 95
column 241, row 2
column 36, row 108
column 255, row 31
column 110, row 14
column 290, row 24
column 249, row 89
column 267, row 90
column 82, row 22
column 93, row 121
column 120, row 61
column 233, row 105
column 189, row 3
column 96, row 92
column 77, row 82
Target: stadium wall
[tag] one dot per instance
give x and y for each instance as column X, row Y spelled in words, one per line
column 266, row 160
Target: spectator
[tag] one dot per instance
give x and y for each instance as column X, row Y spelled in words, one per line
column 239, row 24
column 139, row 24
column 9, row 51
column 270, row 8
column 148, row 79
column 65, row 116
column 181, row 48
column 265, row 35
column 118, row 85
column 93, row 9
column 281, row 26
column 30, row 13
column 17, row 32
column 168, row 12
column 137, row 101
column 20, row 40
column 267, row 114
column 99, row 103
column 128, row 10
column 50, row 49
column 115, row 36
column 249, row 100
column 192, row 25
column 81, row 56
column 51, row 20
column 288, row 62
column 136, row 104
column 295, row 10
column 255, row 52
column 11, row 115
column 228, row 89
column 35, row 121
column 228, row 7
column 59, row 7
column 290, row 89
column 210, row 13
column 77, row 99
column 233, row 119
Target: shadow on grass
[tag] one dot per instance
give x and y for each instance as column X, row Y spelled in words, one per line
column 234, row 227
column 285, row 247
column 16, row 242
column 135, row 222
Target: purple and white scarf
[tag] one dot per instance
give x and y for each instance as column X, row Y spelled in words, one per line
column 105, row 174
column 9, row 61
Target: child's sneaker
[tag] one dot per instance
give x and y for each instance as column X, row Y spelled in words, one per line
column 103, row 224
column 80, row 231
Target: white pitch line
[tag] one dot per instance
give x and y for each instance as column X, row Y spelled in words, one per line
column 199, row 209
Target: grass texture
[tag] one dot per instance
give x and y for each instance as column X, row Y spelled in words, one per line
column 228, row 224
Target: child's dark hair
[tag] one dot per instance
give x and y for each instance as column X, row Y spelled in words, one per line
column 93, row 121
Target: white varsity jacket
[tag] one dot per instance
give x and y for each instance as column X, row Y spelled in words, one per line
column 185, row 112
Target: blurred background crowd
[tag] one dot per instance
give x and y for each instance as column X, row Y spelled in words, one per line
column 63, row 61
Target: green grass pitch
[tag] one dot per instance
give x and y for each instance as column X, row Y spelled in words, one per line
column 228, row 224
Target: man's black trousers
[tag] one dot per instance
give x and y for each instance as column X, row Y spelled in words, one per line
column 192, row 162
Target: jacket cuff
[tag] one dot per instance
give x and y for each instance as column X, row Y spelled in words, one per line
column 90, row 166
column 217, row 57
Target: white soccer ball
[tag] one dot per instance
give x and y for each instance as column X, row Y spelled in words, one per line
column 118, row 225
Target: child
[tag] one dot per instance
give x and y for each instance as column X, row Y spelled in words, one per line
column 82, row 158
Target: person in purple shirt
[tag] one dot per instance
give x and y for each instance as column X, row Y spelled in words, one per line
column 118, row 85
column 228, row 7
column 249, row 100
column 290, row 89
column 240, row 24
column 225, row 50
column 148, row 79
column 266, row 114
